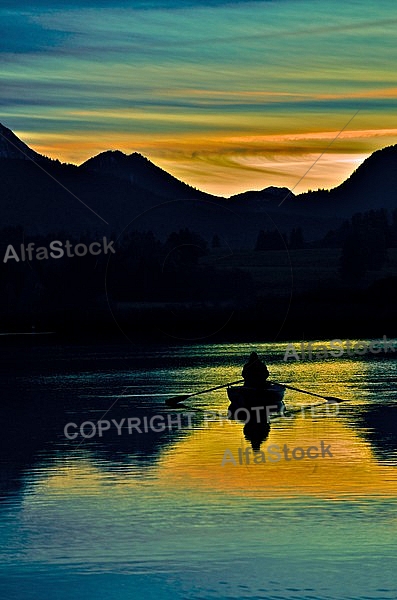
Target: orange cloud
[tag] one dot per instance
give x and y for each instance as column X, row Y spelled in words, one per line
column 225, row 163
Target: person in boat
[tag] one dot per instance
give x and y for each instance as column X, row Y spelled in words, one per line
column 255, row 372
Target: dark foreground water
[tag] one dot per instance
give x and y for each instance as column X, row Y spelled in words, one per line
column 156, row 514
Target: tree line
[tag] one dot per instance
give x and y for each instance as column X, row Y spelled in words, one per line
column 364, row 241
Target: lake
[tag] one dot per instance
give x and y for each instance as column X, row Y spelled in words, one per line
column 155, row 514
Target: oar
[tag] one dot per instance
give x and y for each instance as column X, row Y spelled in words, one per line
column 175, row 400
column 327, row 398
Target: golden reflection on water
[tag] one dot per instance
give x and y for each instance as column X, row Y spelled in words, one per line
column 352, row 471
column 193, row 463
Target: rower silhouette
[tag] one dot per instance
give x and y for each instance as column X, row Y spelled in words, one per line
column 255, row 372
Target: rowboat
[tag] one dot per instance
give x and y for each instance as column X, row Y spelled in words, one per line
column 243, row 399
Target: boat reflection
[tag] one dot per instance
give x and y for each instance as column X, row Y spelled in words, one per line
column 256, row 423
column 254, row 407
column 256, row 433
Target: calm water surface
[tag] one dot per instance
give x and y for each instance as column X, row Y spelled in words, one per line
column 156, row 515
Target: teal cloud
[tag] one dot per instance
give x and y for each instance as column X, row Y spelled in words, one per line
column 73, row 64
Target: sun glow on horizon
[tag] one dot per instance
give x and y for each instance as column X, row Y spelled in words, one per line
column 228, row 165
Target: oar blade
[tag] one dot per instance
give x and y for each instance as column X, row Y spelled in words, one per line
column 333, row 400
column 175, row 400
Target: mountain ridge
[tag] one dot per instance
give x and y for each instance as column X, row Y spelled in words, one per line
column 131, row 189
column 124, row 166
column 138, row 169
column 13, row 148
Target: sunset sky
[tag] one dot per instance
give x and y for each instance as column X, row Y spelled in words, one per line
column 227, row 96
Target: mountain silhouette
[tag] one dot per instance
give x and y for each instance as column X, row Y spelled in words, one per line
column 140, row 171
column 372, row 185
column 12, row 147
column 114, row 190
